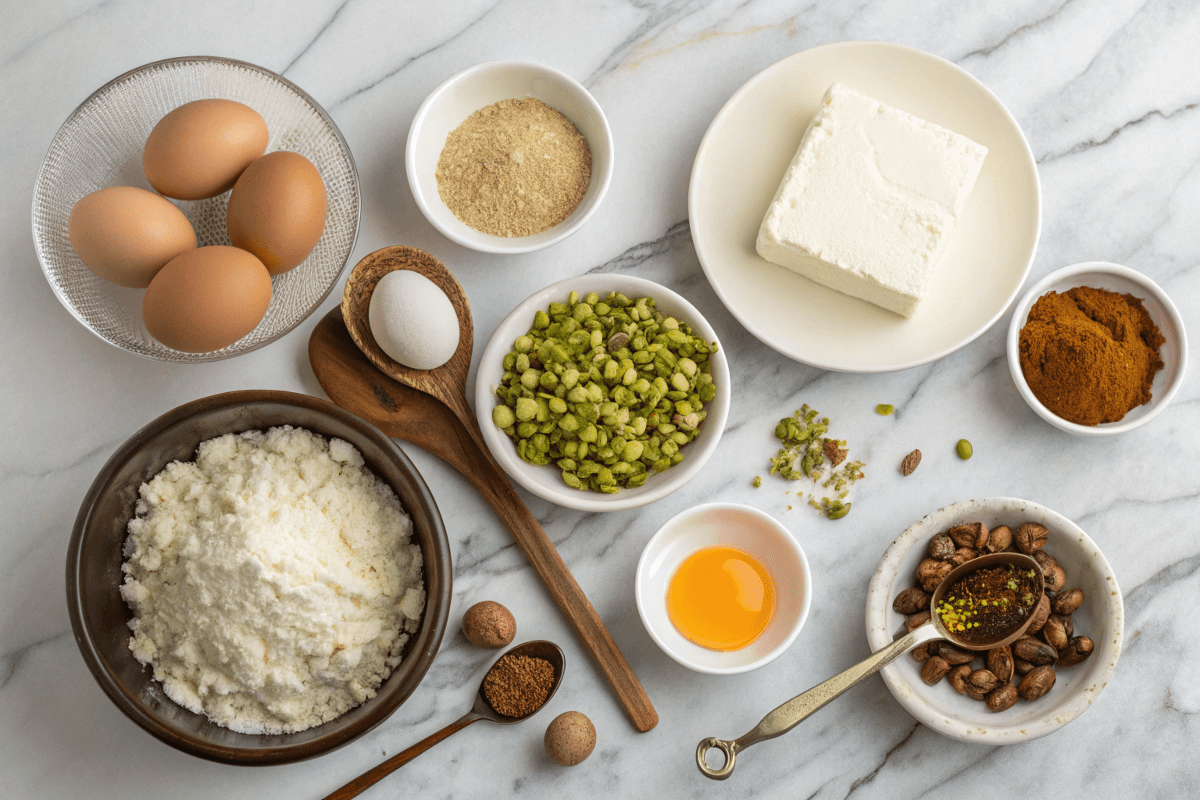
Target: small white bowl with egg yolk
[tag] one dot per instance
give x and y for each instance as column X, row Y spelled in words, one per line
column 723, row 588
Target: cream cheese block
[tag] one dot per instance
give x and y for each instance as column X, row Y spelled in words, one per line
column 869, row 202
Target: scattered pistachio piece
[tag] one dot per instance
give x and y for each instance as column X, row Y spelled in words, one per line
column 964, row 449
column 884, row 409
column 757, row 481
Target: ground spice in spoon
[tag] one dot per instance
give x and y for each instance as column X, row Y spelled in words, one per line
column 1090, row 355
column 989, row 603
column 514, row 168
column 516, row 686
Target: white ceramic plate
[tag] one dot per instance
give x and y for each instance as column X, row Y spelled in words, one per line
column 1101, row 618
column 744, row 155
column 1114, row 278
column 730, row 525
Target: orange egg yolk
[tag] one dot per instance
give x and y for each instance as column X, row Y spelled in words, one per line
column 721, row 598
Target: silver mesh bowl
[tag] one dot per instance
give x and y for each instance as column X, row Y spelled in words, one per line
column 100, row 145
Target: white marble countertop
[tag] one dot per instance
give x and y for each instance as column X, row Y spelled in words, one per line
column 1107, row 93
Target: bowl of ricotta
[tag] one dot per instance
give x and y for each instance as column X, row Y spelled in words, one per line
column 258, row 577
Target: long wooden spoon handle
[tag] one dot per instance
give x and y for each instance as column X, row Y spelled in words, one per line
column 368, row 779
column 495, row 487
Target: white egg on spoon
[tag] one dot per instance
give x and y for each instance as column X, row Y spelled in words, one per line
column 413, row 320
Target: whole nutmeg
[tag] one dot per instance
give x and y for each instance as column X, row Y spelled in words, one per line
column 570, row 738
column 910, row 601
column 1068, row 602
column 955, row 655
column 1002, row 699
column 958, row 677
column 1076, row 651
column 1036, row 683
column 934, row 670
column 1037, row 653
column 941, row 547
column 917, row 620
column 489, row 624
column 1000, row 662
column 932, row 572
column 1000, row 538
column 1040, row 614
column 1031, row 537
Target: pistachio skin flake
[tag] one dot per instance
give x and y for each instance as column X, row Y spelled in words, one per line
column 607, row 389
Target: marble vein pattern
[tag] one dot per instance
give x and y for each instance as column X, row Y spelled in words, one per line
column 1107, row 92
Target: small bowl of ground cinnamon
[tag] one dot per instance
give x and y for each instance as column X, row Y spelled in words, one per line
column 1097, row 349
column 509, row 157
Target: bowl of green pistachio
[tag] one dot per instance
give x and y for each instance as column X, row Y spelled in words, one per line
column 603, row 392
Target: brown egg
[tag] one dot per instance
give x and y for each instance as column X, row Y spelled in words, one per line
column 277, row 210
column 199, row 149
column 206, row 299
column 126, row 235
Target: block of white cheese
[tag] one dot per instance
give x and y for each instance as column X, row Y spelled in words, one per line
column 869, row 202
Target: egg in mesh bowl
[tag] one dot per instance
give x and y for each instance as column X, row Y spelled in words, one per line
column 100, row 145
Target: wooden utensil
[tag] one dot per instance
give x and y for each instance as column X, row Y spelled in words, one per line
column 547, row 651
column 401, row 402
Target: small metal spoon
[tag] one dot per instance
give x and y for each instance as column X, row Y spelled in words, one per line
column 799, row 708
column 547, row 651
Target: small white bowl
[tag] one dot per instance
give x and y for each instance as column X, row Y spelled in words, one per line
column 1115, row 278
column 746, row 529
column 449, row 105
column 1101, row 618
column 546, row 481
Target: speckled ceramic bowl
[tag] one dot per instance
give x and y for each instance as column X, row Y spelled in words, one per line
column 1101, row 618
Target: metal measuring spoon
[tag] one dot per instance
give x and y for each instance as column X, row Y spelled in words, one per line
column 799, row 708
column 548, row 651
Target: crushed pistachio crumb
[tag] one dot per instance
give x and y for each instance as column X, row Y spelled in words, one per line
column 806, row 453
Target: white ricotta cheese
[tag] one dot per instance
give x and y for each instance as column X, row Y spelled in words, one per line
column 870, row 200
column 272, row 580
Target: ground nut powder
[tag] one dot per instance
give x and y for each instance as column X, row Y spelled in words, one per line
column 272, row 580
column 514, row 168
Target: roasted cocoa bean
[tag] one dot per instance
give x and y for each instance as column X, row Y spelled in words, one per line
column 1055, row 632
column 969, row 534
column 1068, row 602
column 1056, row 579
column 1031, row 537
column 1076, row 651
column 1002, row 698
column 921, row 653
column 999, row 539
column 955, row 655
column 941, row 547
column 958, row 677
column 931, row 572
column 910, row 601
column 1040, row 614
column 1036, row 683
column 1044, row 560
column 917, row 620
column 934, row 670
column 984, row 680
column 1000, row 662
column 1037, row 653
column 962, row 555
column 1022, row 667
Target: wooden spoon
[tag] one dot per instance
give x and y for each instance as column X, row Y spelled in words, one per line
column 400, row 402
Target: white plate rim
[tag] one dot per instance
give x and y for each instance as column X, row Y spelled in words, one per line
column 745, row 319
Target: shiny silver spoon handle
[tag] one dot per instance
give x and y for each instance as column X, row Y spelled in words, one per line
column 800, row 707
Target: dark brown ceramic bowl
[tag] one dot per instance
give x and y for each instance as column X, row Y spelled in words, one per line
column 99, row 616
